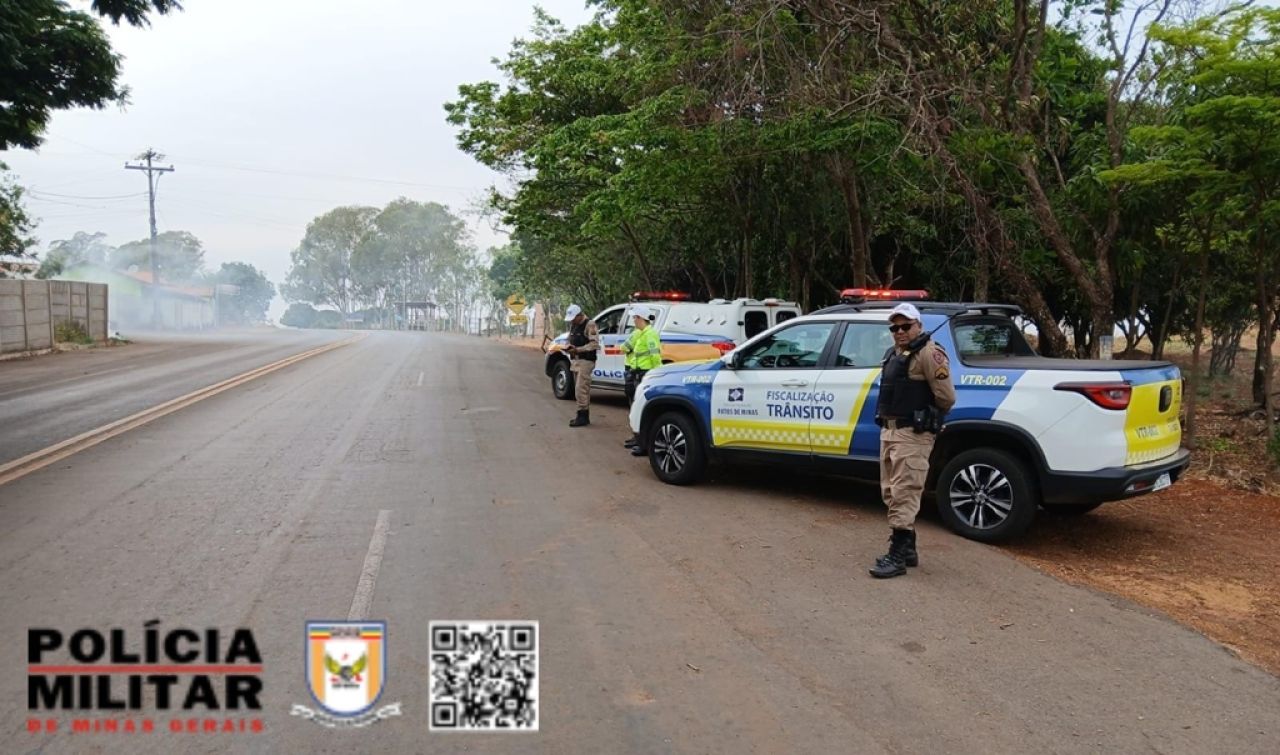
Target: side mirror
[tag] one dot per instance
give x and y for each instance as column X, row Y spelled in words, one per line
column 732, row 360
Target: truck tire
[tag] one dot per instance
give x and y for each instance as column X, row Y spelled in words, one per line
column 676, row 454
column 987, row 494
column 562, row 380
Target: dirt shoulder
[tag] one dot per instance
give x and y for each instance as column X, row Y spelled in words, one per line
column 1201, row 552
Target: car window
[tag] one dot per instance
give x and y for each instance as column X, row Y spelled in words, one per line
column 863, row 345
column 797, row 346
column 990, row 339
column 609, row 320
column 755, row 322
column 783, row 316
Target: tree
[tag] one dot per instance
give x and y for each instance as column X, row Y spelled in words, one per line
column 57, row 58
column 321, row 271
column 299, row 315
column 252, row 296
column 80, row 249
column 15, row 224
column 179, row 256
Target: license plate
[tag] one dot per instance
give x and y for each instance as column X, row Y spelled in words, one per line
column 1162, row 482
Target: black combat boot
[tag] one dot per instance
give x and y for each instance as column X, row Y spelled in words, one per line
column 909, row 554
column 638, row 449
column 582, row 420
column 893, row 563
column 629, row 442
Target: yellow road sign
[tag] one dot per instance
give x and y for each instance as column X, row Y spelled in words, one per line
column 516, row 303
column 519, row 319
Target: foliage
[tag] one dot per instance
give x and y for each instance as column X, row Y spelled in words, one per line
column 71, row 331
column 15, row 224
column 81, row 248
column 56, row 58
column 252, row 293
column 179, row 256
column 376, row 259
column 299, row 315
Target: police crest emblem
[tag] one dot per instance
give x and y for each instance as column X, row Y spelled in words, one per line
column 346, row 671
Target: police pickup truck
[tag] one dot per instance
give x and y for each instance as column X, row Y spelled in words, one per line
column 1026, row 431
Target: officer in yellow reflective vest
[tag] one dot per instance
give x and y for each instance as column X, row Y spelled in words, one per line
column 642, row 352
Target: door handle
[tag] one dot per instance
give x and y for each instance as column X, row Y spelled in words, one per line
column 794, row 383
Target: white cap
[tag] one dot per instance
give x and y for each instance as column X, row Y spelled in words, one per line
column 906, row 310
column 573, row 311
column 642, row 311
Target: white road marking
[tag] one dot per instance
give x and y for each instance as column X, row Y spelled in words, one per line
column 369, row 574
column 419, row 379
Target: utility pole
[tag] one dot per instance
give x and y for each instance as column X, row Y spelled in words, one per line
column 153, row 173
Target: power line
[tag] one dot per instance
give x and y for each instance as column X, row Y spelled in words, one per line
column 41, row 192
column 332, row 176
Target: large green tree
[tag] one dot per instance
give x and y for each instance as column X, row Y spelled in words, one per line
column 53, row 57
column 246, row 294
column 179, row 256
column 321, row 270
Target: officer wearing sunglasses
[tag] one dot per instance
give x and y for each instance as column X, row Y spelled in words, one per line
column 915, row 394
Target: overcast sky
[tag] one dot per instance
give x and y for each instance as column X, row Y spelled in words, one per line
column 273, row 113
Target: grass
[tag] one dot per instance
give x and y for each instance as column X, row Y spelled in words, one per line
column 71, row 331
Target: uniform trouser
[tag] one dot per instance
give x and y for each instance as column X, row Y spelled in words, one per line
column 631, row 382
column 582, row 369
column 904, row 465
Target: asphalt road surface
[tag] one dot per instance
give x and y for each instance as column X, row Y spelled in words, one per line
column 736, row 616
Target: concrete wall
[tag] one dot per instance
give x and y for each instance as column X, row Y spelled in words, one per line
column 31, row 310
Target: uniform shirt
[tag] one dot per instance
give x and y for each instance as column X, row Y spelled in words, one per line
column 592, row 332
column 932, row 366
column 629, row 350
column 647, row 353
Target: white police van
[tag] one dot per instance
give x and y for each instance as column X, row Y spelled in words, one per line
column 689, row 331
column 1026, row 431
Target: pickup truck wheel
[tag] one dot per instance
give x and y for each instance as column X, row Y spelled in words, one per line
column 1071, row 509
column 986, row 494
column 562, row 380
column 675, row 449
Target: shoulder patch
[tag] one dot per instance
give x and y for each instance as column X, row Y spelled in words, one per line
column 942, row 373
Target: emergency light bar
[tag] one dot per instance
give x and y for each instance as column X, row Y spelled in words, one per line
column 860, row 295
column 659, row 296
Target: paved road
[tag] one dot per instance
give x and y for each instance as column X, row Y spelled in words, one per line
column 732, row 617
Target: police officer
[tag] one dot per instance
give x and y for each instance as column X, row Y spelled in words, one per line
column 584, row 344
column 915, row 394
column 643, row 350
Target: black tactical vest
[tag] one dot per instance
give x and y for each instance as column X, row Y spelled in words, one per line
column 578, row 338
column 900, row 396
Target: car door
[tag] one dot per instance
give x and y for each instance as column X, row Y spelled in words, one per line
column 853, row 378
column 766, row 400
column 609, row 360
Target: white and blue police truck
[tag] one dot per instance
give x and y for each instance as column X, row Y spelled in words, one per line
column 1026, row 432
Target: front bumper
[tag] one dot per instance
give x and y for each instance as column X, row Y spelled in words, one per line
column 1111, row 484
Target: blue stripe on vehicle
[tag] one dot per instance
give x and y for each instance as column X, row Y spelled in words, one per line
column 1150, row 375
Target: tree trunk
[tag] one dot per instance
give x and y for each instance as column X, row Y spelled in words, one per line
column 640, row 258
column 1197, row 338
column 859, row 249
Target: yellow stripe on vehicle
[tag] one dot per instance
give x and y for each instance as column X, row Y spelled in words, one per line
column 1149, row 433
column 774, row 436
column 835, row 440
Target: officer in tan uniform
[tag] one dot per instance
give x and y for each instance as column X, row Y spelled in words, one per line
column 915, row 394
column 584, row 345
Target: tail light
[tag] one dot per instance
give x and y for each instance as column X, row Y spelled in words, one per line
column 1105, row 395
column 724, row 346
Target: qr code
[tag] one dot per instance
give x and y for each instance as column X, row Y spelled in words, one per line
column 484, row 675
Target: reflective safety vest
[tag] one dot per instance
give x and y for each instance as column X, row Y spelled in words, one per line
column 646, row 349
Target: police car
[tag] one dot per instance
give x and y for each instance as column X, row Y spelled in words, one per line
column 689, row 330
column 1026, row 431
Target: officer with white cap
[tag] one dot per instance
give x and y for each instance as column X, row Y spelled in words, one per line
column 643, row 352
column 584, row 346
column 915, row 394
